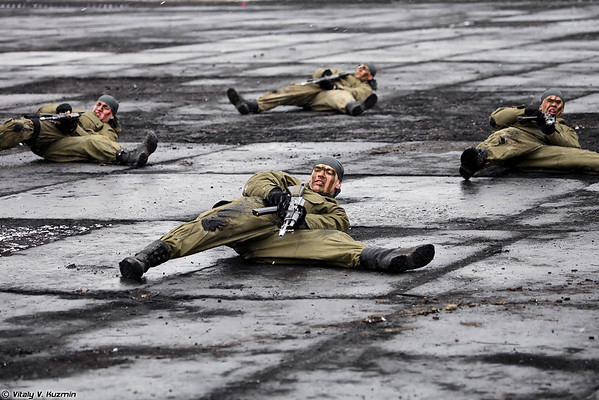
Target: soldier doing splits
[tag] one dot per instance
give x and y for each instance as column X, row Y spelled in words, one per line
column 532, row 140
column 66, row 135
column 319, row 237
column 329, row 90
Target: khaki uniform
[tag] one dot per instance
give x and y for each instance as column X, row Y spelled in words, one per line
column 232, row 224
column 349, row 88
column 523, row 145
column 92, row 140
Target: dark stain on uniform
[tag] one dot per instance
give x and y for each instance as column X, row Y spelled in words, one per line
column 18, row 127
column 220, row 220
column 214, row 223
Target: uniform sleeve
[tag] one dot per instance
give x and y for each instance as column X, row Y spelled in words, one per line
column 505, row 116
column 318, row 72
column 358, row 89
column 261, row 183
column 321, row 212
column 90, row 124
column 325, row 213
column 48, row 109
column 564, row 136
column 508, row 116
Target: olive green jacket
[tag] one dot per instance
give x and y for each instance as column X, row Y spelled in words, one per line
column 358, row 89
column 323, row 212
column 89, row 123
column 505, row 117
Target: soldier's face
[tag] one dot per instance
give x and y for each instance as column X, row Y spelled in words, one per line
column 324, row 179
column 363, row 73
column 552, row 105
column 103, row 112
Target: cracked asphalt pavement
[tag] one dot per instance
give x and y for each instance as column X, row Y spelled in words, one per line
column 508, row 309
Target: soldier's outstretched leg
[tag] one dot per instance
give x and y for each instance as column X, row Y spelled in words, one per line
column 243, row 106
column 139, row 156
column 15, row 131
column 356, row 108
column 396, row 260
column 154, row 254
column 335, row 248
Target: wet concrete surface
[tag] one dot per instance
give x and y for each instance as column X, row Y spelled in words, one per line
column 508, row 309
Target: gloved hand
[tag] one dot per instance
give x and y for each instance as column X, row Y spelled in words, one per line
column 69, row 124
column 302, row 218
column 327, row 84
column 282, row 213
column 64, row 108
column 283, row 206
column 529, row 112
column 277, row 196
column 547, row 129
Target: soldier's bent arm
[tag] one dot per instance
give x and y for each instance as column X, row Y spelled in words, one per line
column 327, row 214
column 505, row 116
column 92, row 125
column 261, row 183
column 563, row 136
column 359, row 90
column 322, row 212
column 318, row 73
column 51, row 109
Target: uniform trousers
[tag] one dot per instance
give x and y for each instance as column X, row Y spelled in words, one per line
column 257, row 237
column 53, row 145
column 309, row 96
column 528, row 152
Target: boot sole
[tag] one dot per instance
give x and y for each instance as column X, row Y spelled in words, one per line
column 466, row 174
column 141, row 160
column 236, row 100
column 151, row 142
column 370, row 101
column 131, row 270
column 469, row 163
column 416, row 257
column 367, row 103
column 357, row 110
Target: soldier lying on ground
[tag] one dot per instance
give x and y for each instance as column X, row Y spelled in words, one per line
column 532, row 140
column 336, row 91
column 319, row 238
column 89, row 135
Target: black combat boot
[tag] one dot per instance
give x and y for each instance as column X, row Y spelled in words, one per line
column 358, row 107
column 472, row 160
column 139, row 156
column 154, row 254
column 396, row 260
column 243, row 106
